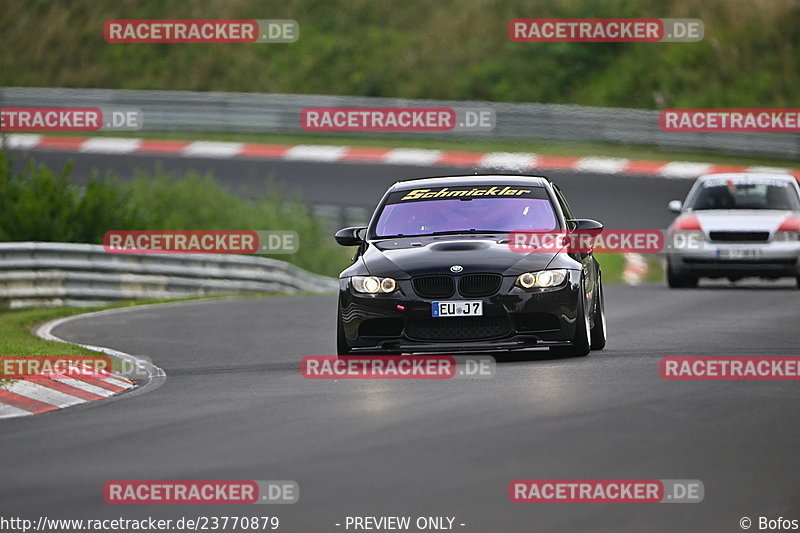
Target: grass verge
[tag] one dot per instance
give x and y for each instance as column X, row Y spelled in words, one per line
column 17, row 331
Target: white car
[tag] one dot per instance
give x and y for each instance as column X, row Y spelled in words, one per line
column 735, row 225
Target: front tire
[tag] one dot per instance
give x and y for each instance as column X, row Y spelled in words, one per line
column 342, row 347
column 581, row 342
column 598, row 332
column 676, row 280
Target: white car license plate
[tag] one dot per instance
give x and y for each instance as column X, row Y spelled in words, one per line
column 457, row 308
column 738, row 253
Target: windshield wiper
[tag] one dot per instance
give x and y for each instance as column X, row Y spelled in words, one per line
column 470, row 231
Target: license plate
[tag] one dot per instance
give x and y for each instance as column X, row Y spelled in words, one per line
column 457, row 308
column 738, row 253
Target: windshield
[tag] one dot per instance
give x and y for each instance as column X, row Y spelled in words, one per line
column 480, row 215
column 730, row 194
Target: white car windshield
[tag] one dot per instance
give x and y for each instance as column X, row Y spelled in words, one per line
column 730, row 194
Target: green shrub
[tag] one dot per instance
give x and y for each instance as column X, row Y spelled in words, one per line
column 37, row 204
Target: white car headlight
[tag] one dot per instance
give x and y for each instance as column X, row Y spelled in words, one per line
column 786, row 236
column 542, row 278
column 686, row 238
column 373, row 284
column 686, row 233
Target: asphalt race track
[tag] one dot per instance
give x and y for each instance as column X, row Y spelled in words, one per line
column 234, row 405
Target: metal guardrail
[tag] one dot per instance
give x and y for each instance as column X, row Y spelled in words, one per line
column 64, row 274
column 178, row 111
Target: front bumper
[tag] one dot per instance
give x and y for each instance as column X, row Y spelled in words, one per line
column 512, row 318
column 771, row 259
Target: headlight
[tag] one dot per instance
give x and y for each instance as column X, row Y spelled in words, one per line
column 687, row 238
column 373, row 284
column 787, row 236
column 388, row 285
column 542, row 278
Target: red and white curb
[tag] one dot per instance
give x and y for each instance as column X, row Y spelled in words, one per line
column 50, row 392
column 391, row 156
column 636, row 268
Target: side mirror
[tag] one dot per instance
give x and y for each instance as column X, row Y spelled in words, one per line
column 350, row 236
column 675, row 206
column 585, row 224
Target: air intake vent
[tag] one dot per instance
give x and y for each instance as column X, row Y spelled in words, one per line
column 456, row 329
column 739, row 236
column 434, row 286
column 475, row 285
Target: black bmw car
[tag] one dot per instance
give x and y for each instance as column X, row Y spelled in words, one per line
column 435, row 272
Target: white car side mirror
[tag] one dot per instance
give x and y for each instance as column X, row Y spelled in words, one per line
column 675, row 206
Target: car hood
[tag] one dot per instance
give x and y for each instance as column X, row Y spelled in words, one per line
column 406, row 257
column 741, row 219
